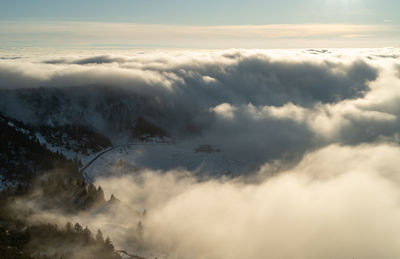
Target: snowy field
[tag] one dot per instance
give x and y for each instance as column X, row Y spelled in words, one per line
column 135, row 157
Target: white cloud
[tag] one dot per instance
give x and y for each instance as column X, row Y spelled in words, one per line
column 340, row 201
column 245, row 36
column 322, row 127
column 225, row 110
column 258, row 105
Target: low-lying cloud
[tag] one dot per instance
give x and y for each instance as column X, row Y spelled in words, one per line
column 397, row 67
column 254, row 105
column 238, row 78
column 320, row 128
column 91, row 60
column 339, row 201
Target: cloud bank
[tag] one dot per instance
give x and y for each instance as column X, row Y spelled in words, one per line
column 337, row 202
column 255, row 105
column 319, row 126
column 238, row 78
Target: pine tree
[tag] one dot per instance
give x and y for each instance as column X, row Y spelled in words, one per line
column 99, row 236
column 91, row 188
column 78, row 228
column 87, row 234
column 100, row 194
column 109, row 244
column 69, row 227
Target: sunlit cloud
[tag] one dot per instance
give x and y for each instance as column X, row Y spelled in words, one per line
column 261, row 36
column 306, row 142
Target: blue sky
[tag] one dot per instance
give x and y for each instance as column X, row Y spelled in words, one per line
column 205, row 12
column 33, row 14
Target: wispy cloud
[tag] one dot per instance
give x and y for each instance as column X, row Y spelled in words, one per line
column 289, row 35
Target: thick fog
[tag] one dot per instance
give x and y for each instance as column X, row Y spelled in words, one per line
column 338, row 202
column 265, row 104
column 322, row 126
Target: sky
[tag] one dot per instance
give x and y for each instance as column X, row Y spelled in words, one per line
column 207, row 12
column 200, row 24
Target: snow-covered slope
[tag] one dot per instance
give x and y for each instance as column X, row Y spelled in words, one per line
column 28, row 150
column 134, row 157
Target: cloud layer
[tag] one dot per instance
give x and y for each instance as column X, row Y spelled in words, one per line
column 338, row 201
column 255, row 105
column 319, row 126
column 236, row 77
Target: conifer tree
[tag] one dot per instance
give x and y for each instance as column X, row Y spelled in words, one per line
column 78, row 228
column 69, row 227
column 100, row 194
column 87, row 234
column 109, row 244
column 99, row 236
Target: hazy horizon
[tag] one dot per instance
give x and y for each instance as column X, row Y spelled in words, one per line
column 210, row 24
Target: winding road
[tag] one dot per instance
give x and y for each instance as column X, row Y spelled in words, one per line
column 82, row 170
column 95, row 158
